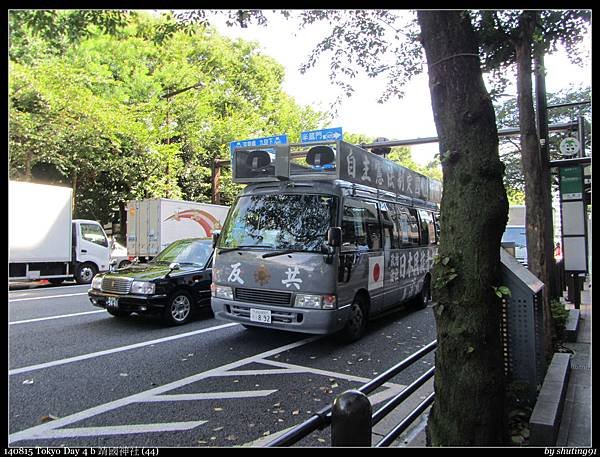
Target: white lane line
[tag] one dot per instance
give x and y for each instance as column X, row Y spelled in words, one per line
column 375, row 398
column 45, row 297
column 114, row 350
column 213, row 395
column 121, row 429
column 38, row 319
column 40, row 431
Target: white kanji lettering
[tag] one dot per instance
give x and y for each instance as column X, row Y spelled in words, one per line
column 402, row 270
column 365, row 176
column 379, row 177
column 234, row 276
column 291, row 278
column 351, row 165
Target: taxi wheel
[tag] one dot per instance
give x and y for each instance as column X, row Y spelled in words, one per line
column 179, row 309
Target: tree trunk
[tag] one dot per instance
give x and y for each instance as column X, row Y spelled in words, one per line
column 469, row 368
column 535, row 172
column 542, row 128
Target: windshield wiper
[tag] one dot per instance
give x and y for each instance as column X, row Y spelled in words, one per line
column 244, row 246
column 276, row 253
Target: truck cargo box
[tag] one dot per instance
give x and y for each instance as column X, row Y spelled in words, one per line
column 39, row 222
column 153, row 224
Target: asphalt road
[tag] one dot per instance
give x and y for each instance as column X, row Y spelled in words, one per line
column 80, row 377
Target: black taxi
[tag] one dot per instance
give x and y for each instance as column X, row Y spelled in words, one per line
column 173, row 284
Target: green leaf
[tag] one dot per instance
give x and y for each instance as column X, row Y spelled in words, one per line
column 504, row 291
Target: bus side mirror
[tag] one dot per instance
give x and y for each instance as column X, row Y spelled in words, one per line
column 215, row 238
column 334, row 237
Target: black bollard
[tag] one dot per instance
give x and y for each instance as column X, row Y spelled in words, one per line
column 351, row 420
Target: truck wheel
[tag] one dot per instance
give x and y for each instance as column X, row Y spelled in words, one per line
column 124, row 263
column 85, row 272
column 179, row 309
column 422, row 299
column 357, row 322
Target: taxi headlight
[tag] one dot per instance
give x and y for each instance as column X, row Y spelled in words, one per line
column 97, row 282
column 142, row 287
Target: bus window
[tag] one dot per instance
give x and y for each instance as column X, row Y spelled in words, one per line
column 407, row 226
column 390, row 230
column 424, row 226
column 360, row 226
column 428, row 233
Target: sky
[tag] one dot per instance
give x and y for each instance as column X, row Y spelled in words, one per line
column 408, row 118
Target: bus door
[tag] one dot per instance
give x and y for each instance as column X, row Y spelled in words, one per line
column 391, row 243
column 361, row 264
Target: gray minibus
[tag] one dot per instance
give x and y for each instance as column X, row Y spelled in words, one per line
column 323, row 237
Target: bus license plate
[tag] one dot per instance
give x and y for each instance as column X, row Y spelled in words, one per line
column 260, row 315
column 112, row 302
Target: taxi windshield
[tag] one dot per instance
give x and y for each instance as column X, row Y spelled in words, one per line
column 185, row 252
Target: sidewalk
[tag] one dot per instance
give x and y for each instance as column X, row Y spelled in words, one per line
column 576, row 423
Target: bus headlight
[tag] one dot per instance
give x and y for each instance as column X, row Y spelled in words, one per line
column 225, row 292
column 142, row 287
column 315, row 301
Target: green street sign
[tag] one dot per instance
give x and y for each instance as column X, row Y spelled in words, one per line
column 571, row 183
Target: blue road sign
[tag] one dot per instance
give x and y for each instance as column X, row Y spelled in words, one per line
column 331, row 134
column 267, row 141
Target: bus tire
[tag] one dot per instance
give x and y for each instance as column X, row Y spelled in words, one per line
column 424, row 297
column 357, row 323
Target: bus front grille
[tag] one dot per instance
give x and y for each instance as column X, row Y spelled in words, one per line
column 265, row 297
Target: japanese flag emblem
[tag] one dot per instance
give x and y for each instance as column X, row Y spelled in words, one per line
column 376, row 269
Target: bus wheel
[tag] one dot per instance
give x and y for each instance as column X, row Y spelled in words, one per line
column 423, row 298
column 357, row 322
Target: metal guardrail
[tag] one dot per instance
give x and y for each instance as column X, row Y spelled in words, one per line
column 323, row 418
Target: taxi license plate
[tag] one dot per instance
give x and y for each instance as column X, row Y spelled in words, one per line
column 112, row 302
column 260, row 315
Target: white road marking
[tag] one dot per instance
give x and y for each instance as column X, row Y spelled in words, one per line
column 375, row 398
column 56, row 428
column 45, row 297
column 213, row 395
column 42, row 431
column 118, row 430
column 38, row 319
column 113, row 351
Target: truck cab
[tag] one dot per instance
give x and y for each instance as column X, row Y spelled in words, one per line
column 91, row 250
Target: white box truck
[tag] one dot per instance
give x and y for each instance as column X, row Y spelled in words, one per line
column 153, row 224
column 45, row 242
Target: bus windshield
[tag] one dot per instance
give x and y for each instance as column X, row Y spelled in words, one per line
column 285, row 221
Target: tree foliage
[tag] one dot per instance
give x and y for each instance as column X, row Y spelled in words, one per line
column 90, row 105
